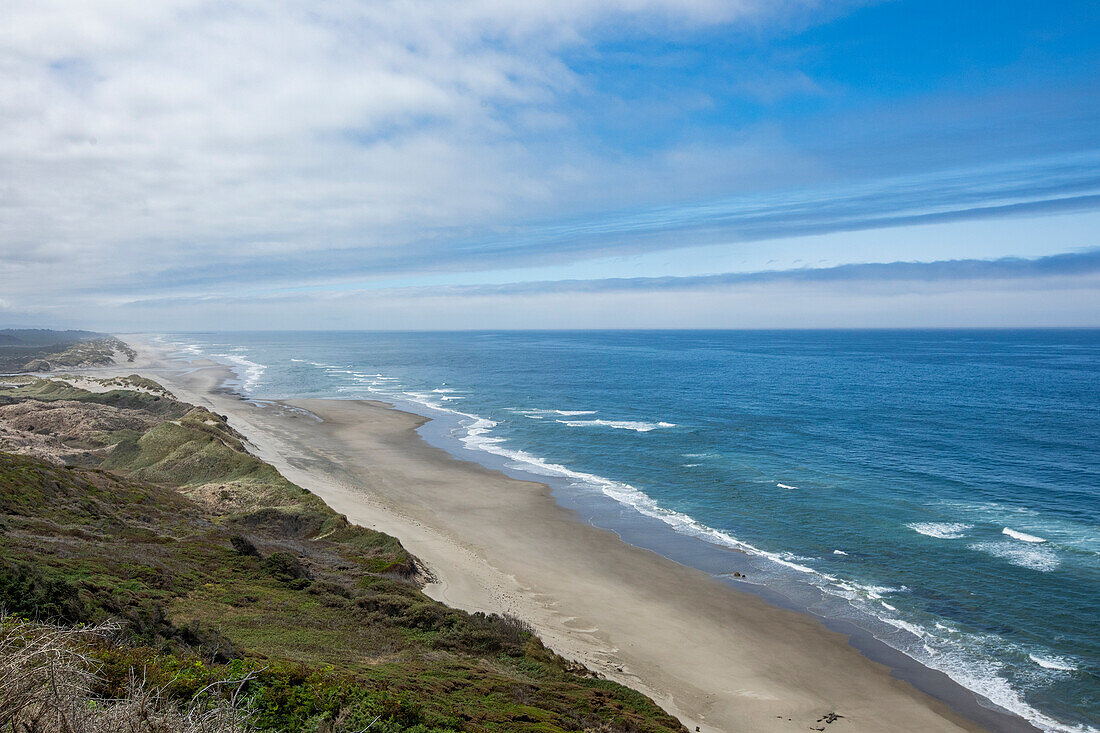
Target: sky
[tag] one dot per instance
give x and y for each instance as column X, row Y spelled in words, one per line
column 432, row 164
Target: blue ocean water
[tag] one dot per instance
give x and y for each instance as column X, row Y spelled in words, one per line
column 940, row 488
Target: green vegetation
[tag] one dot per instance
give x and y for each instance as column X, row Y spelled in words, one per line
column 34, row 350
column 155, row 401
column 226, row 577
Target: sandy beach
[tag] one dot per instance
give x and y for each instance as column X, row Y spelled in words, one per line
column 718, row 658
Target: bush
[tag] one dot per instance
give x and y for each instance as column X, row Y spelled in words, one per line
column 243, row 546
column 479, row 633
column 284, row 566
column 46, row 678
column 31, row 592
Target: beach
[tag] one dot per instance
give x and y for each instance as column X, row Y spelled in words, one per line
column 718, row 658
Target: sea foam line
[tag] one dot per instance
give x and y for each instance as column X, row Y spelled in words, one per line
column 540, row 414
column 1023, row 537
column 952, row 660
column 1056, row 663
column 253, row 371
column 941, row 530
column 636, row 426
column 247, row 371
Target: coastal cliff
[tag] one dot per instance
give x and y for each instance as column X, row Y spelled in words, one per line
column 186, row 580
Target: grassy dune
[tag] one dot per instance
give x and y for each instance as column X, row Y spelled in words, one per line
column 219, row 570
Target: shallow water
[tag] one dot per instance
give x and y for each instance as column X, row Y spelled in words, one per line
column 942, row 488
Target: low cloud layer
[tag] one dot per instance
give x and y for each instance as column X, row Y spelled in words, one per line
column 1061, row 290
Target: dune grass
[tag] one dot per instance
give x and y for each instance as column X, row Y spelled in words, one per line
column 221, row 572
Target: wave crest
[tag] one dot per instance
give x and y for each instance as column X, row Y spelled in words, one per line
column 941, row 530
column 1022, row 536
column 636, row 426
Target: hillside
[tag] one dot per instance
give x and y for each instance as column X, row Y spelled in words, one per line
column 37, row 350
column 232, row 586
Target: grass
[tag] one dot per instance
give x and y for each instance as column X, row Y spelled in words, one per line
column 154, row 402
column 220, row 570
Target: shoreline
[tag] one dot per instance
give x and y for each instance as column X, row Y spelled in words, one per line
column 729, row 660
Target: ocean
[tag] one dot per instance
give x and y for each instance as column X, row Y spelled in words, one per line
column 939, row 489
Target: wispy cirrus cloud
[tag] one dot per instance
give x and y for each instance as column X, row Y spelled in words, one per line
column 1068, row 268
column 1045, row 187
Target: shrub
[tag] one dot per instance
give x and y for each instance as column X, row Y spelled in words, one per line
column 243, row 546
column 34, row 593
column 46, row 678
column 284, row 566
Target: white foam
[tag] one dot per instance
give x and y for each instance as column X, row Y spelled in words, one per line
column 912, row 628
column 186, row 348
column 982, row 675
column 1031, row 556
column 785, row 486
column 1060, row 664
column 248, row 372
column 877, row 591
column 476, row 439
column 941, row 530
column 563, row 413
column 1022, row 536
column 636, row 426
column 997, row 689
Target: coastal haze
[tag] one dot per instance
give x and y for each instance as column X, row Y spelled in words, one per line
column 663, row 364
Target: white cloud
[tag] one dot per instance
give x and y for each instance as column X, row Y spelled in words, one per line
column 142, row 140
column 135, row 137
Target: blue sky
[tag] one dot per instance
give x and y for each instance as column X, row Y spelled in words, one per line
column 631, row 163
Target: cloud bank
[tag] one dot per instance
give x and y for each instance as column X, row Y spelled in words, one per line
column 1061, row 290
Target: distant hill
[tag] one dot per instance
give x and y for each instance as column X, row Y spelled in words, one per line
column 42, row 336
column 40, row 350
